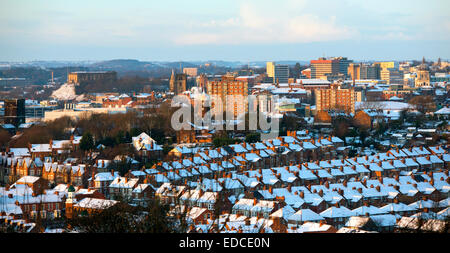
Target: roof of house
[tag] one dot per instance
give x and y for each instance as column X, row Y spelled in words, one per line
column 286, row 212
column 312, row 227
column 305, row 215
column 123, row 182
column 94, row 203
column 337, row 212
column 27, row 179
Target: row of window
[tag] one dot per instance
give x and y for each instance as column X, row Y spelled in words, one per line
column 47, row 206
column 44, row 214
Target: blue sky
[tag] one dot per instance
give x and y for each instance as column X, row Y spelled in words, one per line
column 245, row 30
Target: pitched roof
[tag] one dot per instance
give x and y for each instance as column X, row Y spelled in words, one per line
column 305, row 215
column 94, row 203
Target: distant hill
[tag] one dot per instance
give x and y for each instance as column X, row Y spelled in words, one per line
column 140, row 68
column 122, row 65
column 40, row 71
column 176, row 65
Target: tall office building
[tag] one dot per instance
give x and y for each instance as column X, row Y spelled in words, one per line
column 392, row 76
column 369, row 72
column 362, row 71
column 336, row 98
column 233, row 94
column 354, row 71
column 14, row 112
column 270, row 69
column 343, row 64
column 322, row 66
column 80, row 77
column 281, row 73
column 177, row 83
column 389, row 71
column 386, row 65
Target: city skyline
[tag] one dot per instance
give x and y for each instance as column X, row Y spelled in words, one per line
column 231, row 30
column 231, row 117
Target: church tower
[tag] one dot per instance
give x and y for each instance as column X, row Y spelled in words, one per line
column 180, row 81
column 177, row 83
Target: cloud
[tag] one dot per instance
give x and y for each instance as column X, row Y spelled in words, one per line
column 231, row 22
column 252, row 19
column 393, row 36
column 310, row 28
column 258, row 26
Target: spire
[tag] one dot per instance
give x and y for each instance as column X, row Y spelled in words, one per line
column 172, row 82
column 423, row 60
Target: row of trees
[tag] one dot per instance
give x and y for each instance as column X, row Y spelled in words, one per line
column 123, row 218
column 124, row 84
column 106, row 129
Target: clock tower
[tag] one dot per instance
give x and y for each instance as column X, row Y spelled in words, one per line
column 70, row 201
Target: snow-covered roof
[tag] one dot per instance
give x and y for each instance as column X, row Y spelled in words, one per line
column 27, row 179
column 106, row 176
column 397, row 207
column 20, row 152
column 443, row 111
column 123, row 182
column 286, row 212
column 93, row 203
column 305, row 215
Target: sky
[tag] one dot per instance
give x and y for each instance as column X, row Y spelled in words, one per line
column 231, row 30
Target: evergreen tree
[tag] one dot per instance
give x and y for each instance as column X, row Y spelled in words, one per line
column 253, row 137
column 87, row 142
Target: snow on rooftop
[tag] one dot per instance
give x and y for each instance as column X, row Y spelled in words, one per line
column 93, row 203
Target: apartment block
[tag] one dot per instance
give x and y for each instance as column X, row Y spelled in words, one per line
column 336, row 98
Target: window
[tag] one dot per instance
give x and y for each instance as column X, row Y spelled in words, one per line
column 34, row 207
